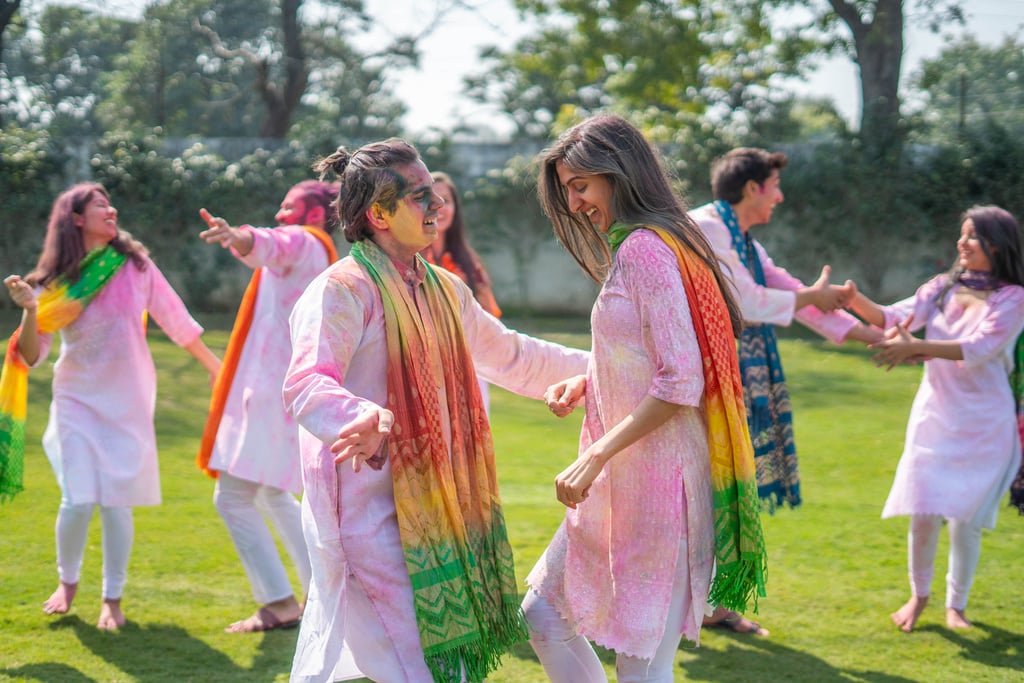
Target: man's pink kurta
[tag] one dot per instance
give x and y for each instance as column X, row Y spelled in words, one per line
column 610, row 568
column 337, row 372
column 772, row 303
column 100, row 438
column 257, row 440
column 962, row 448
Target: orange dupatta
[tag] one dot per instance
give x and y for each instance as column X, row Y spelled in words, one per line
column 239, row 332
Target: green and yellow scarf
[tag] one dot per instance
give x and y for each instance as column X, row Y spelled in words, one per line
column 59, row 304
column 741, row 560
column 449, row 511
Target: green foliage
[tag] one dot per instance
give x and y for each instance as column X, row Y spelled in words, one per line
column 30, row 165
column 170, row 77
column 971, row 88
column 674, row 65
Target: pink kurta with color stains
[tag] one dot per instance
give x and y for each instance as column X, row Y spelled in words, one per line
column 257, row 440
column 610, row 568
column 337, row 372
column 100, row 438
column 962, row 447
column 773, row 302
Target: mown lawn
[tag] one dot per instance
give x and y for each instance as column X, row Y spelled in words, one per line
column 836, row 570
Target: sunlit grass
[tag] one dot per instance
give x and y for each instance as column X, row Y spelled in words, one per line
column 836, row 570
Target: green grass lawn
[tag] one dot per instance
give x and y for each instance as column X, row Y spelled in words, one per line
column 835, row 569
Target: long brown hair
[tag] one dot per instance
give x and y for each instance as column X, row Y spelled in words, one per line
column 63, row 246
column 609, row 146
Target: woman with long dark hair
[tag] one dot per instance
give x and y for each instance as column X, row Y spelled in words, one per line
column 664, row 457
column 97, row 286
column 962, row 446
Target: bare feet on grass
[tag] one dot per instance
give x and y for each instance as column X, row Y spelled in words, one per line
column 60, row 601
column 906, row 617
column 955, row 618
column 111, row 616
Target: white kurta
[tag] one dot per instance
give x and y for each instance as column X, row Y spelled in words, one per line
column 257, row 440
column 337, row 372
column 773, row 302
column 962, row 448
column 100, row 438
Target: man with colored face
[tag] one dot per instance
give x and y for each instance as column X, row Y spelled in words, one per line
column 412, row 569
column 745, row 184
column 250, row 444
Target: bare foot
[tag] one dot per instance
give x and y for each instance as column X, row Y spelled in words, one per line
column 111, row 616
column 274, row 615
column 955, row 618
column 60, row 601
column 906, row 617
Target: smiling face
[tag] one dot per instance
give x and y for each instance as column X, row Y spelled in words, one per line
column 759, row 200
column 293, row 209
column 412, row 226
column 446, row 214
column 590, row 195
column 98, row 222
column 968, row 247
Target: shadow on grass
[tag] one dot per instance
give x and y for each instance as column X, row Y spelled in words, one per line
column 764, row 660
column 47, row 673
column 162, row 652
column 998, row 648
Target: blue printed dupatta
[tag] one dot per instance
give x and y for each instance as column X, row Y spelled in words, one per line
column 765, row 394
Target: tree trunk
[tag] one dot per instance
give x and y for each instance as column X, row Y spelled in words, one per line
column 282, row 101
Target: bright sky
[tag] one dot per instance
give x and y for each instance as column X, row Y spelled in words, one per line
column 433, row 96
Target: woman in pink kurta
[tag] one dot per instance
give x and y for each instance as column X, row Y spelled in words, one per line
column 100, row 437
column 630, row 567
column 256, row 446
column 962, row 447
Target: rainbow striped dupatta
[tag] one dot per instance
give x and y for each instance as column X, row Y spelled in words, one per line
column 233, row 353
column 741, row 561
column 59, row 304
column 449, row 511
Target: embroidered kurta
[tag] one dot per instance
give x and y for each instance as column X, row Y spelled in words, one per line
column 257, row 440
column 774, row 302
column 610, row 568
column 337, row 372
column 962, row 448
column 100, row 438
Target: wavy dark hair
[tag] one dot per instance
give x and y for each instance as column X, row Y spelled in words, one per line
column 999, row 237
column 367, row 177
column 455, row 241
column 609, row 146
column 731, row 172
column 63, row 246
column 322, row 194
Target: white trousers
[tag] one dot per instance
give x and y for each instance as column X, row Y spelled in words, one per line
column 72, row 530
column 242, row 505
column 964, row 552
column 567, row 657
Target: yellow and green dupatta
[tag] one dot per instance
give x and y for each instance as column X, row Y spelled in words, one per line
column 741, row 560
column 449, row 510
column 58, row 306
